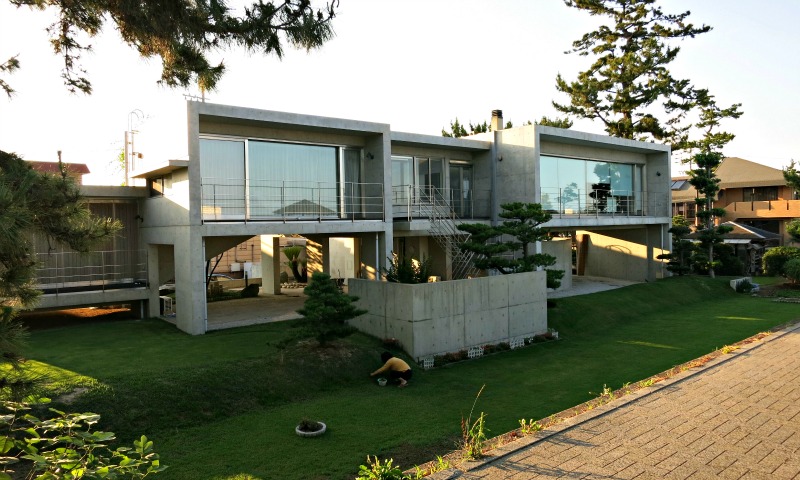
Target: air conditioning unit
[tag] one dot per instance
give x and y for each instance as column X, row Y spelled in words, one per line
column 236, row 267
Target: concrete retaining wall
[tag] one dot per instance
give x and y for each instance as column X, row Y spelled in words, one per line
column 441, row 317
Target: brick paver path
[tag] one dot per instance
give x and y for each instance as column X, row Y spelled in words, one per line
column 739, row 418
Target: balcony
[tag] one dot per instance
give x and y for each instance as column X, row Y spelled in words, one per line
column 763, row 209
column 233, row 200
column 93, row 271
column 411, row 202
column 601, row 203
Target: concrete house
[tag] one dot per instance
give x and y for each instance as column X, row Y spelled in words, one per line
column 337, row 182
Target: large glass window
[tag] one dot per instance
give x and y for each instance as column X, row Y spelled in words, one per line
column 758, row 194
column 222, row 172
column 290, row 180
column 402, row 180
column 571, row 185
column 267, row 179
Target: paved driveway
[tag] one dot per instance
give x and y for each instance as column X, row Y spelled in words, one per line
column 737, row 417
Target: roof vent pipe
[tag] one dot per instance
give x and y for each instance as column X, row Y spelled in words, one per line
column 497, row 120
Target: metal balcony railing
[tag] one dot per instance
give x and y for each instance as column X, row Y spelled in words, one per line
column 98, row 270
column 573, row 202
column 410, row 202
column 236, row 200
column 442, row 208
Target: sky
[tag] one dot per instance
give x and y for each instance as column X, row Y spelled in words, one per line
column 413, row 64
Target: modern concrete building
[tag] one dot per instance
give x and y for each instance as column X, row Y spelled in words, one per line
column 359, row 186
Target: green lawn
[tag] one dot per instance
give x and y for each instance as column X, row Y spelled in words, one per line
column 224, row 405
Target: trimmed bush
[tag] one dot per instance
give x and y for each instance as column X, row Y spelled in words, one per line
column 250, row 291
column 775, row 258
column 792, row 270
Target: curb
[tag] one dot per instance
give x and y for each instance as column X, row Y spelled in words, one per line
column 685, row 371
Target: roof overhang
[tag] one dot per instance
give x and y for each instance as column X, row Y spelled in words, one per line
column 162, row 169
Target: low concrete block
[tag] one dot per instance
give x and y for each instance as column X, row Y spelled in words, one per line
column 435, row 318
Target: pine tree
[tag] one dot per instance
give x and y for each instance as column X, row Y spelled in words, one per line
column 678, row 259
column 327, row 309
column 792, row 177
column 507, row 248
column 180, row 32
column 705, row 181
column 628, row 79
column 33, row 203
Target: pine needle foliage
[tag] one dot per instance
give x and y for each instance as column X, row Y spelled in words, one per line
column 508, row 247
column 705, row 181
column 181, row 33
column 327, row 309
column 628, row 86
column 33, row 203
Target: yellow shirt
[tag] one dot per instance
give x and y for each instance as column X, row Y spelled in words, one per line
column 395, row 364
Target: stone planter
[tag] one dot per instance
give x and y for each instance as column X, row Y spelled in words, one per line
column 315, row 433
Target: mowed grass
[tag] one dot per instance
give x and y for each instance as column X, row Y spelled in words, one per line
column 224, row 405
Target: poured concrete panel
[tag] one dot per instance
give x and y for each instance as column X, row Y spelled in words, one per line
column 441, row 317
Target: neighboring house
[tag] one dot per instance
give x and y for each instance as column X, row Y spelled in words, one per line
column 359, row 187
column 74, row 170
column 752, row 195
column 748, row 243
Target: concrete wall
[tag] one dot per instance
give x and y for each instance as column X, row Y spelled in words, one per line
column 561, row 248
column 625, row 254
column 517, row 179
column 435, row 318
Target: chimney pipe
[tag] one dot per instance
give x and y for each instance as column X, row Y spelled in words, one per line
column 497, row 120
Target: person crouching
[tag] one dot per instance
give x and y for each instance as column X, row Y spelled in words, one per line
column 397, row 368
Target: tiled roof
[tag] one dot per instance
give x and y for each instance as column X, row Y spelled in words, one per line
column 744, row 232
column 733, row 172
column 52, row 167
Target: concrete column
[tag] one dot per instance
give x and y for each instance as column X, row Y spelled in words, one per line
column 190, row 282
column 370, row 263
column 357, row 257
column 153, row 280
column 270, row 264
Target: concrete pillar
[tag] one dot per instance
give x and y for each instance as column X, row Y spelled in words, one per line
column 370, row 262
column 270, row 264
column 357, row 257
column 190, row 283
column 153, row 280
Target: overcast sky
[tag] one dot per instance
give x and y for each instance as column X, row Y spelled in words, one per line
column 413, row 64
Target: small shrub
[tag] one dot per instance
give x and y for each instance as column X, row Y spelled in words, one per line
column 407, row 270
column 793, row 229
column 307, row 425
column 284, row 277
column 792, row 270
column 438, row 465
column 744, row 287
column 250, row 291
column 375, row 470
column 66, row 446
column 774, row 260
column 473, row 434
column 327, row 309
column 528, row 427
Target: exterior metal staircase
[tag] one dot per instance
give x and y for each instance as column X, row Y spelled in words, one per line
column 444, row 229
